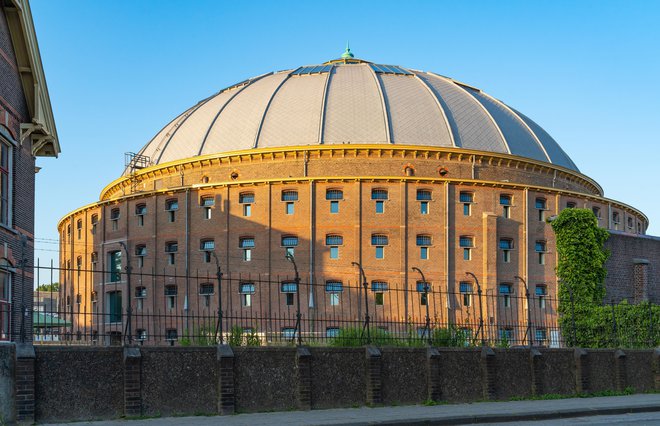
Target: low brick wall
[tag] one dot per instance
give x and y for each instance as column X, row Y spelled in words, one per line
column 82, row 383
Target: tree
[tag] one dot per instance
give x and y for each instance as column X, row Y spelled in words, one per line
column 581, row 263
column 49, row 287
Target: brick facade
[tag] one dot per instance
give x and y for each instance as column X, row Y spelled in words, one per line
column 633, row 269
column 18, row 236
column 266, row 176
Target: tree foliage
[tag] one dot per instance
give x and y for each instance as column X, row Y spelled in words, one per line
column 581, row 263
column 49, row 287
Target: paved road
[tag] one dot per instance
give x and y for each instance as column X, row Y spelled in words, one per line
column 454, row 414
column 631, row 419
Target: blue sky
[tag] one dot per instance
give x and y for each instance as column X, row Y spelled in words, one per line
column 586, row 71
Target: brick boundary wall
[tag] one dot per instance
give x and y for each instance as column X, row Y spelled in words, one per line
column 139, row 381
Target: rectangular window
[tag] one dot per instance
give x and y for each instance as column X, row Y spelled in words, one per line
column 246, row 290
column 505, row 202
column 506, row 245
column 423, row 242
column 141, row 334
column 289, row 288
column 540, row 335
column 140, row 212
column 334, row 206
column 596, row 211
column 140, row 252
column 247, row 210
column 246, row 244
column 615, row 220
column 333, row 289
column 290, row 207
column 506, row 335
column 541, row 206
column 541, row 292
column 505, row 294
column 95, row 222
column 467, row 243
column 467, row 199
column 423, row 195
column 115, row 266
column 334, row 195
column 466, row 293
column 6, row 176
column 207, row 204
column 571, row 204
column 114, row 219
column 171, row 248
column 380, row 206
column 140, row 292
column 379, row 288
column 114, row 306
column 540, row 249
column 424, row 288
column 424, row 253
column 171, row 334
column 246, row 198
column 424, row 207
column 331, row 332
column 171, row 206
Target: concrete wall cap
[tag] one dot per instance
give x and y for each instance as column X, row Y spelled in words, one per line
column 619, row 354
column 25, row 350
column 225, row 351
column 303, row 352
column 641, row 261
column 373, row 352
column 579, row 353
column 487, row 352
column 534, row 353
column 432, row 353
column 132, row 352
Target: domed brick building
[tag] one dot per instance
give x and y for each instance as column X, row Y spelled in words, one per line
column 343, row 163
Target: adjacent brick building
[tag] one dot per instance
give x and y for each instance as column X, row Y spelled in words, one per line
column 27, row 130
column 342, row 162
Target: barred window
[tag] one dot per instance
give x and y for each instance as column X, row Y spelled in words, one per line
column 379, row 194
column 334, row 286
column 140, row 292
column 141, row 250
column 246, row 288
column 506, row 244
column 540, row 246
column 423, row 286
column 334, row 194
column 505, row 288
column 207, row 201
column 207, row 245
column 379, row 286
column 171, row 205
column 423, row 195
column 289, row 241
column 465, row 241
column 541, row 290
column 505, row 200
column 423, row 240
column 114, row 214
column 206, row 289
column 465, row 287
column 289, row 287
column 170, row 290
column 171, row 247
column 246, row 197
column 289, row 195
column 95, row 219
column 466, row 197
column 246, row 242
column 541, row 203
column 141, row 209
column 334, row 240
column 379, row 240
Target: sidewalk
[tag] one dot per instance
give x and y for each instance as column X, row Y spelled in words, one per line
column 451, row 414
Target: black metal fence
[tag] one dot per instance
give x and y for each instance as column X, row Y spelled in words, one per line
column 171, row 309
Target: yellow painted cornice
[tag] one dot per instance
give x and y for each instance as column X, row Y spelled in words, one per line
column 344, row 151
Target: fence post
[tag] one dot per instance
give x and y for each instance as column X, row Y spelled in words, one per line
column 8, row 382
column 374, row 376
column 656, row 368
column 615, row 342
column 226, row 394
column 488, row 373
column 132, row 381
column 25, row 366
column 536, row 364
column 433, row 374
column 620, row 369
column 304, row 367
column 581, row 370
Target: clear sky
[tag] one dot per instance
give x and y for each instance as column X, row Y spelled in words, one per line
column 586, row 71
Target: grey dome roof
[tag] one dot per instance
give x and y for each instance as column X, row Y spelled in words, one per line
column 356, row 102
